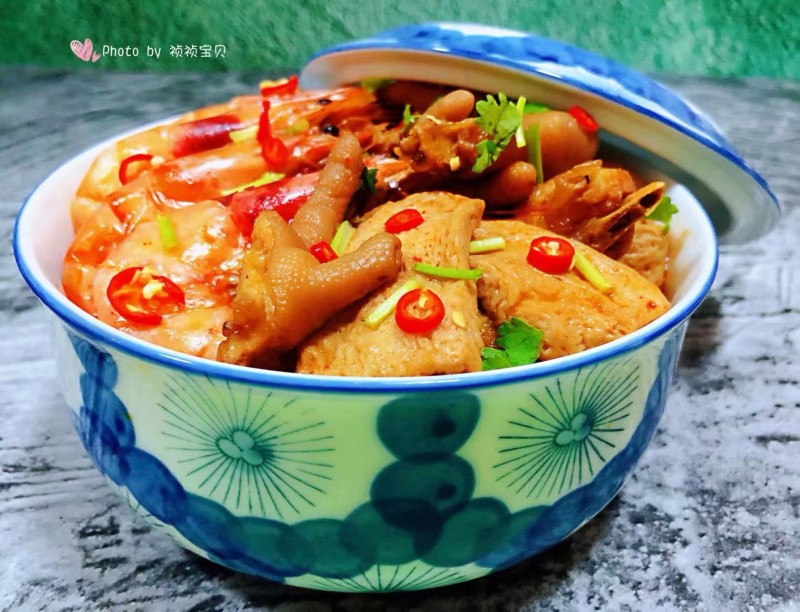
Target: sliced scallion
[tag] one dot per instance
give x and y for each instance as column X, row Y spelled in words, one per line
column 519, row 135
column 342, row 237
column 591, row 273
column 248, row 133
column 166, row 231
column 268, row 177
column 385, row 308
column 535, row 150
column 487, row 245
column 457, row 273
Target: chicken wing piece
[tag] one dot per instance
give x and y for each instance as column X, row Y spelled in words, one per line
column 347, row 346
column 573, row 315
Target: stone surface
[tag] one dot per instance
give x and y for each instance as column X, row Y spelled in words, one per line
column 709, row 521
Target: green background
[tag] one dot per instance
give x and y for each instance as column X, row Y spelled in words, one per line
column 711, row 37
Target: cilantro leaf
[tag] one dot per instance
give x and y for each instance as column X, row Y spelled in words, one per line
column 494, row 359
column 500, row 119
column 368, row 179
column 663, row 212
column 487, row 153
column 519, row 344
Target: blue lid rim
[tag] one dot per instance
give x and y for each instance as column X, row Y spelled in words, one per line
column 384, row 40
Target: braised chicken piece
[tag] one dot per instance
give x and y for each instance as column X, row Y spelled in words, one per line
column 593, row 204
column 347, row 346
column 439, row 147
column 439, row 152
column 573, row 314
column 442, row 145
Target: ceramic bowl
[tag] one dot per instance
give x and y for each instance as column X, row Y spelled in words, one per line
column 356, row 484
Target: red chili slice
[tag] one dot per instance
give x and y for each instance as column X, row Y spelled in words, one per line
column 126, row 292
column 584, row 119
column 551, row 255
column 204, row 134
column 404, row 220
column 284, row 196
column 274, row 150
column 135, row 158
column 419, row 311
column 323, row 252
column 281, row 87
column 264, row 129
column 275, row 153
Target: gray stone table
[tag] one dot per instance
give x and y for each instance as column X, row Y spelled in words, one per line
column 709, row 521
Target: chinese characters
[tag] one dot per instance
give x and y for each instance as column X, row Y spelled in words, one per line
column 193, row 51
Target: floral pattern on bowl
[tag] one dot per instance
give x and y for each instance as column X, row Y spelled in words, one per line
column 255, row 480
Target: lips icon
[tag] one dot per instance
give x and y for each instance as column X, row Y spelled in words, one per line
column 84, row 50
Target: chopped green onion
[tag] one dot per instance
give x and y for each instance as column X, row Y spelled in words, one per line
column 460, row 273
column 385, row 308
column 166, row 231
column 531, row 108
column 299, row 126
column 535, row 151
column 519, row 135
column 591, row 274
column 342, row 237
column 486, row 245
column 248, row 133
column 268, row 177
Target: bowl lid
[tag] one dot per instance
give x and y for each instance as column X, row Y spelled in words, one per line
column 635, row 112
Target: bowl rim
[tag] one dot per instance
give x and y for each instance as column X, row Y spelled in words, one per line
column 70, row 314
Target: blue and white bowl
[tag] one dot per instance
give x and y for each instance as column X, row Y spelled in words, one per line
column 358, row 484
